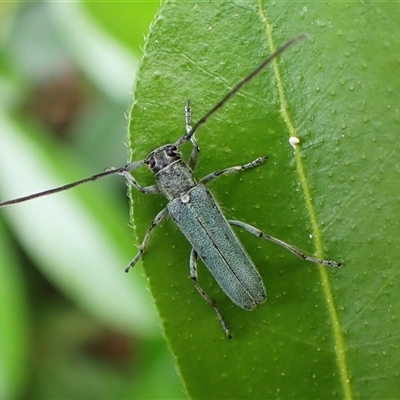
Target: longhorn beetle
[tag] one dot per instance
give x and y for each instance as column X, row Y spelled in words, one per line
column 195, row 212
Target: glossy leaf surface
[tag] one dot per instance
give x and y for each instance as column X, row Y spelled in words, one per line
column 322, row 333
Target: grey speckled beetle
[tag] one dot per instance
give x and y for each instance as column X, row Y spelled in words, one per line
column 195, row 212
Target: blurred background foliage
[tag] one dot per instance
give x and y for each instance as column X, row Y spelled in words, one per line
column 72, row 324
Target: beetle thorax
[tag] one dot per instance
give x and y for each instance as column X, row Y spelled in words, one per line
column 174, row 178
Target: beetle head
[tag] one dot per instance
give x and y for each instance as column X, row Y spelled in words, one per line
column 162, row 157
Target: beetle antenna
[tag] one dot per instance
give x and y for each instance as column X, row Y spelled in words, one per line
column 243, row 82
column 108, row 172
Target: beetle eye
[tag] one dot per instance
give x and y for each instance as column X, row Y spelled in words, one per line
column 172, row 151
column 151, row 163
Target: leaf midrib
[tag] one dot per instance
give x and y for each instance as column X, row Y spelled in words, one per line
column 339, row 347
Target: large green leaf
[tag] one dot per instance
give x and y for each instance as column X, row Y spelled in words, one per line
column 322, row 333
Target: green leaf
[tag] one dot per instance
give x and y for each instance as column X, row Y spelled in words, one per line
column 78, row 238
column 127, row 21
column 322, row 333
column 15, row 328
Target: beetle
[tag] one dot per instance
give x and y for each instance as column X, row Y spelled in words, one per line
column 196, row 213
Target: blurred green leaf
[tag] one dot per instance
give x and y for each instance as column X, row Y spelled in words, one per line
column 94, row 330
column 322, row 333
column 14, row 322
column 125, row 20
column 79, row 238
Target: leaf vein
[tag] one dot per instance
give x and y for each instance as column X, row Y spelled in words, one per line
column 339, row 347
